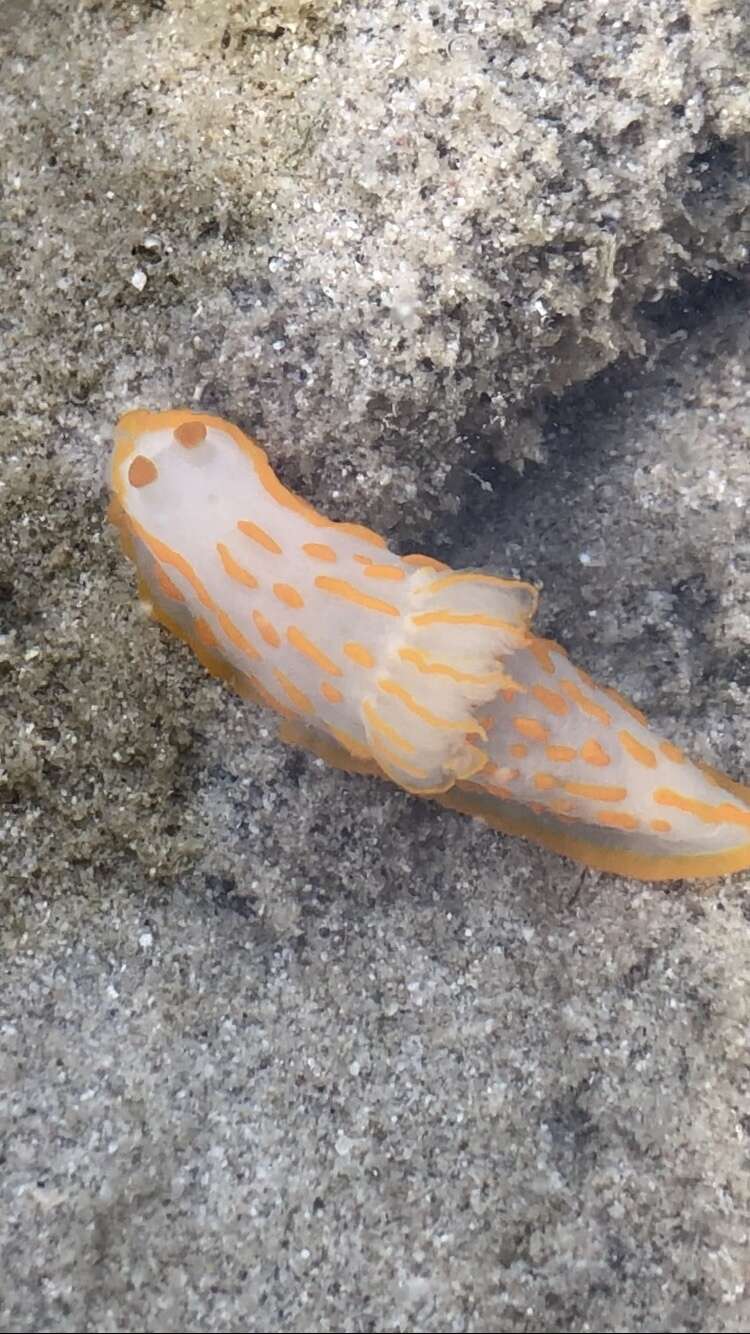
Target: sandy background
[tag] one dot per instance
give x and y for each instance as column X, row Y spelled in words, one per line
column 280, row 1048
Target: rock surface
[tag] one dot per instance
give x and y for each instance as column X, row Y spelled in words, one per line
column 281, row 1048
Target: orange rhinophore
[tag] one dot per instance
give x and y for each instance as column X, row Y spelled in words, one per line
column 401, row 667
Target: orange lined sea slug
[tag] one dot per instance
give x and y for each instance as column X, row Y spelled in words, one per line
column 401, row 667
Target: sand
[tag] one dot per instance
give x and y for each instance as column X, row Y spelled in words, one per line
column 282, row 1048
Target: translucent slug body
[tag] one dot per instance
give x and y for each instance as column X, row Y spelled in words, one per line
column 399, row 666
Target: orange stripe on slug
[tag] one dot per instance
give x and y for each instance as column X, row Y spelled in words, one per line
column 551, row 700
column 531, row 728
column 519, row 751
column 167, row 556
column 572, row 841
column 234, row 569
column 359, row 654
column 142, row 471
column 350, row 743
column 266, row 630
column 593, row 753
column 501, row 773
column 469, row 619
column 270, row 482
column 330, row 693
column 468, row 725
column 298, row 697
column 320, row 551
column 586, row 705
column 637, row 751
column 259, row 535
column 671, row 752
column 596, row 792
column 544, row 782
column 235, row 636
column 162, row 552
column 660, row 826
column 626, row 705
column 251, row 688
column 304, row 645
column 400, row 763
column 204, row 632
column 542, row 650
column 423, row 664
column 381, row 724
column 560, row 754
column 389, row 573
column 190, row 433
column 429, row 561
column 616, row 819
column 288, row 595
column 167, row 585
column 132, row 424
column 703, row 810
column 366, row 534
column 467, row 577
column 340, row 588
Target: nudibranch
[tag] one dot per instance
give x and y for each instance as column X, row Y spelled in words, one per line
column 400, row 666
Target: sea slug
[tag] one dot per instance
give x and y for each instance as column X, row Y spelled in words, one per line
column 399, row 666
